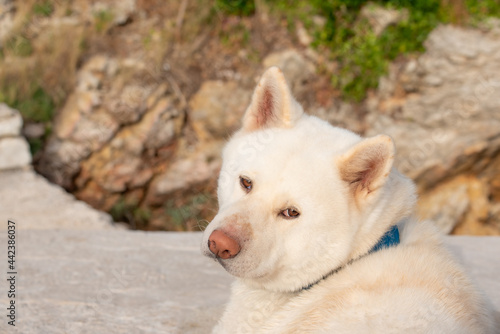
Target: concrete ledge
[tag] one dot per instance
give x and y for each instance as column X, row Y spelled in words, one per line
column 35, row 203
column 115, row 281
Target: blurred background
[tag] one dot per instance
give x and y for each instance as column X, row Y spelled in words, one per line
column 127, row 104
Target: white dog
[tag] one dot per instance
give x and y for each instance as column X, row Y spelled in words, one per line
column 317, row 226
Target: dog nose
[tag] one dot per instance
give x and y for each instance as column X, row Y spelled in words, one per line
column 222, row 245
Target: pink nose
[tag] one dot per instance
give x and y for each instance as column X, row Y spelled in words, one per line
column 222, row 245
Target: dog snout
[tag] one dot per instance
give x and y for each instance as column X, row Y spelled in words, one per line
column 222, row 245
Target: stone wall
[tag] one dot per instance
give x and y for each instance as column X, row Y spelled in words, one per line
column 28, row 198
column 117, row 130
column 444, row 113
column 152, row 98
column 125, row 138
column 14, row 150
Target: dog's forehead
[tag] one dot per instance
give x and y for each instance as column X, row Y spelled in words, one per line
column 303, row 151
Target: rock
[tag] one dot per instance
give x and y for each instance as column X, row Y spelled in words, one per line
column 121, row 10
column 494, row 218
column 141, row 178
column 35, row 204
column 122, row 165
column 14, row 150
column 97, row 64
column 30, row 199
column 10, row 121
column 380, row 18
column 302, row 34
column 7, row 10
column 112, row 132
column 492, row 25
column 33, row 130
column 297, row 69
column 82, row 126
column 319, row 21
column 69, row 117
column 14, row 153
column 217, row 108
column 165, row 127
column 341, row 114
column 196, row 167
column 61, row 161
column 128, row 103
column 81, row 122
column 94, row 130
column 463, row 199
column 448, row 125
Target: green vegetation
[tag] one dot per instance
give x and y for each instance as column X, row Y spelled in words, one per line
column 235, row 7
column 43, row 8
column 37, row 67
column 36, row 144
column 131, row 213
column 188, row 215
column 39, row 107
column 482, row 9
column 103, row 20
column 19, row 46
column 239, row 36
column 361, row 55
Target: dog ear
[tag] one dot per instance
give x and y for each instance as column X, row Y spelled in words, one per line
column 366, row 166
column 272, row 103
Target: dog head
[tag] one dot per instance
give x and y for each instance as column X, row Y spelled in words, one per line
column 299, row 197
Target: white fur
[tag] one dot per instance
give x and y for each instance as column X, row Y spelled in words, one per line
column 296, row 160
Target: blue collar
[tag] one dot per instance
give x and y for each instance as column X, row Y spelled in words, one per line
column 389, row 239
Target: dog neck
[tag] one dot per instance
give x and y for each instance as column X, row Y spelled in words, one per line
column 389, row 239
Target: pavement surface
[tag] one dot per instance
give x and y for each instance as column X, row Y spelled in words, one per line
column 71, row 281
column 38, row 204
column 118, row 281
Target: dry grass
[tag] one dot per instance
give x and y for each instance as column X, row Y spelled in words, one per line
column 39, row 59
column 57, row 54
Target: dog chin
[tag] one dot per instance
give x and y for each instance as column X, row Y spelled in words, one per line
column 232, row 267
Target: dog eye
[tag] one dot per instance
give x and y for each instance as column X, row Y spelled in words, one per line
column 246, row 184
column 290, row 213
